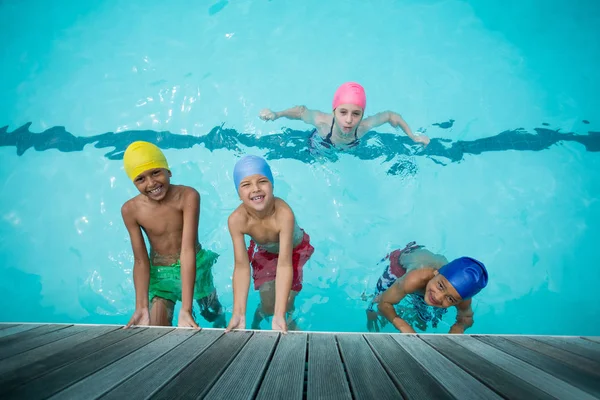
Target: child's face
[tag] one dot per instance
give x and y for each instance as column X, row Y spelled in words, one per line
column 440, row 293
column 256, row 191
column 154, row 183
column 347, row 116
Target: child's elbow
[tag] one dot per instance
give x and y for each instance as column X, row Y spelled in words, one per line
column 300, row 111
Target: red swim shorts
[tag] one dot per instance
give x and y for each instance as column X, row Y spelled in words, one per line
column 264, row 263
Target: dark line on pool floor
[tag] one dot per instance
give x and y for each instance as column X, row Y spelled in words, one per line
column 300, row 145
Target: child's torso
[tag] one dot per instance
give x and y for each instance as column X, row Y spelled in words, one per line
column 265, row 233
column 163, row 225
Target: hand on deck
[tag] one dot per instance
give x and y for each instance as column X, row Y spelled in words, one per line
column 236, row 322
column 141, row 316
column 186, row 320
column 279, row 324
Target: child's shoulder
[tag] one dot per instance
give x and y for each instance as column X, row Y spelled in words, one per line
column 417, row 279
column 131, row 205
column 281, row 204
column 238, row 217
column 185, row 191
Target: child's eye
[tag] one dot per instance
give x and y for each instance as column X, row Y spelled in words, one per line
column 156, row 172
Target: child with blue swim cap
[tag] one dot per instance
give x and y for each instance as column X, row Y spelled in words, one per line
column 278, row 249
column 429, row 279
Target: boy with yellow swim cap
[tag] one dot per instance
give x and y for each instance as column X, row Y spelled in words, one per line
column 177, row 267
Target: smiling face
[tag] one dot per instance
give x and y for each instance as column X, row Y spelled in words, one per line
column 256, row 192
column 347, row 117
column 154, row 183
column 440, row 293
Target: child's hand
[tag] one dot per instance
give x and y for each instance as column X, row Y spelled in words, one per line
column 186, row 320
column 141, row 316
column 267, row 115
column 236, row 322
column 422, row 139
column 279, row 324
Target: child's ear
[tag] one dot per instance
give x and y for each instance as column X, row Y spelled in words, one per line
column 169, row 171
column 435, row 272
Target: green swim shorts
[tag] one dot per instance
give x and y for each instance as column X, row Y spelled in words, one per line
column 165, row 281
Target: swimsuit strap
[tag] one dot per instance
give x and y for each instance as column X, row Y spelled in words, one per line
column 328, row 137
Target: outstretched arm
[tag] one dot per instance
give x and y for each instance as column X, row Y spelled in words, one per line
column 141, row 267
column 191, row 217
column 395, row 120
column 302, row 113
column 241, row 273
column 285, row 272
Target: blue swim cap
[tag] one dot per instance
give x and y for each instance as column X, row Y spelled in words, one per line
column 467, row 275
column 250, row 165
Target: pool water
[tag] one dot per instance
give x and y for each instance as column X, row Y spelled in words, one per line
column 507, row 92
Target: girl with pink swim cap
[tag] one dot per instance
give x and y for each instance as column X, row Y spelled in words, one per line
column 345, row 125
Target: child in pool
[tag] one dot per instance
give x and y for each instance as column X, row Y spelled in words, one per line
column 345, row 125
column 278, row 249
column 433, row 285
column 177, row 267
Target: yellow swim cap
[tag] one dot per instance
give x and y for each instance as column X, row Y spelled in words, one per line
column 142, row 156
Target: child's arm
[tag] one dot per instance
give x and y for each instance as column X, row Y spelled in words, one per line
column 395, row 120
column 241, row 272
column 191, row 217
column 141, row 266
column 285, row 271
column 464, row 317
column 409, row 283
column 302, row 113
column 389, row 298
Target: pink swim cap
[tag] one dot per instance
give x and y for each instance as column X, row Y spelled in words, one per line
column 350, row 93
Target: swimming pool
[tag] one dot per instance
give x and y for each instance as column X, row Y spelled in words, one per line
column 492, row 83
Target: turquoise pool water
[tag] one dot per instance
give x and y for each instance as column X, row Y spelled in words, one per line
column 492, row 82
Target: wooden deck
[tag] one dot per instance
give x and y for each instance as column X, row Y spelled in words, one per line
column 60, row 361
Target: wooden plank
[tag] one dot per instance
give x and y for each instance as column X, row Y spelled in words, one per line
column 562, row 371
column 326, row 378
column 553, row 387
column 413, row 381
column 243, row 376
column 61, row 378
column 595, row 339
column 368, row 379
column 574, row 360
column 15, row 378
column 42, row 352
column 195, row 380
column 458, row 382
column 37, row 341
column 5, row 326
column 573, row 344
column 285, row 376
column 30, row 333
column 17, row 329
column 93, row 386
column 149, row 380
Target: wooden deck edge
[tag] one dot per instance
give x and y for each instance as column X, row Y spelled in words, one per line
column 313, row 332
